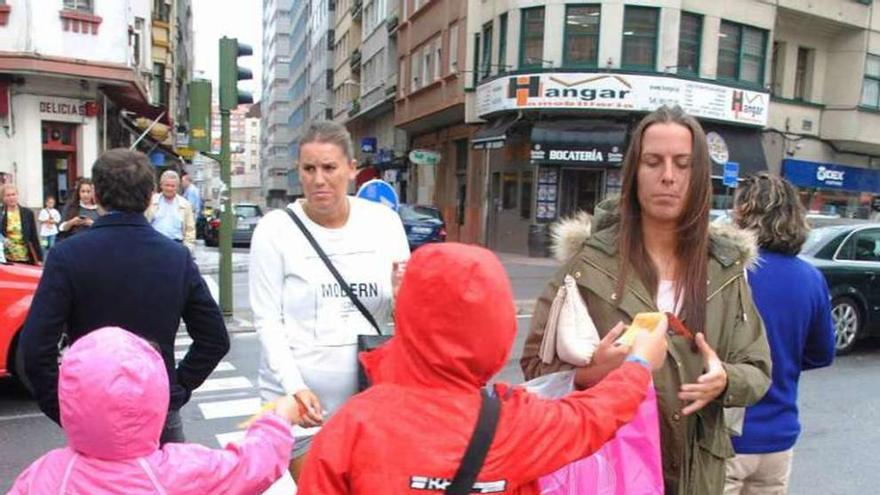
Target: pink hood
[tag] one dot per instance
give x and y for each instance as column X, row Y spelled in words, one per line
column 113, row 391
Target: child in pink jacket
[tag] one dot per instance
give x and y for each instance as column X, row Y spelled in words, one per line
column 113, row 391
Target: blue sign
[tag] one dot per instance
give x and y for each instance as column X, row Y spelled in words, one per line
column 380, row 192
column 157, row 158
column 368, row 145
column 731, row 174
column 830, row 176
column 386, row 155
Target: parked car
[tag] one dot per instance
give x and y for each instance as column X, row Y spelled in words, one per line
column 849, row 258
column 18, row 282
column 423, row 224
column 246, row 215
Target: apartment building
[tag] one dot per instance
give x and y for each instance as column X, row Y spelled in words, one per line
column 275, row 136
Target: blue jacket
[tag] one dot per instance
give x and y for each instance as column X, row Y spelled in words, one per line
column 121, row 272
column 793, row 300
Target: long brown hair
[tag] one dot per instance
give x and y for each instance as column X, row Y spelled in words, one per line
column 71, row 209
column 692, row 251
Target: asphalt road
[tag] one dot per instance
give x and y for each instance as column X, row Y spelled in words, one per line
column 840, row 412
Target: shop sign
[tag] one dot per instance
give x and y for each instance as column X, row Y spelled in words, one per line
column 600, row 155
column 718, row 151
column 424, row 157
column 368, row 145
column 622, row 92
column 831, row 176
column 64, row 109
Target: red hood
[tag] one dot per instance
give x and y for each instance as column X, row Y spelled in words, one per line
column 455, row 321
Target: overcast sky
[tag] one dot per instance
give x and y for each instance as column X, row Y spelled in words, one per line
column 213, row 19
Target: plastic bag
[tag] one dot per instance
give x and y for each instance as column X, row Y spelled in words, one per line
column 628, row 464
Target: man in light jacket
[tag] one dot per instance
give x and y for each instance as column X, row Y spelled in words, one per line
column 171, row 214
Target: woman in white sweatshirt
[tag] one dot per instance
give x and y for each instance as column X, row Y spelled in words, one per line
column 306, row 324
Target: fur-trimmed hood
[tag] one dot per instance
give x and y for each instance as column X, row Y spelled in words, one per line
column 728, row 243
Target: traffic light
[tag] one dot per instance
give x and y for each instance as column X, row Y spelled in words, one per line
column 231, row 73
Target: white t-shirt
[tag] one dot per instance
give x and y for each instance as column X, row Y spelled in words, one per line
column 306, row 324
column 666, row 297
column 47, row 229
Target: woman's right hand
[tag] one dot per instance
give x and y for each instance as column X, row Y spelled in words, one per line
column 312, row 415
column 607, row 358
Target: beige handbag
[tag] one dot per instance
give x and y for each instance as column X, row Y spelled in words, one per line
column 570, row 332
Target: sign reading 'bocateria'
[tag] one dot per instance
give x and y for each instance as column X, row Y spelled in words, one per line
column 622, row 92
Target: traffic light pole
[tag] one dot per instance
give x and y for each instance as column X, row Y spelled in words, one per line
column 226, row 218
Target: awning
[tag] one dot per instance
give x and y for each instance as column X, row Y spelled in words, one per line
column 493, row 135
column 129, row 98
column 578, row 142
column 149, row 145
column 743, row 146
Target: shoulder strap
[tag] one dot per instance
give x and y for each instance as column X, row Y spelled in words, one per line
column 345, row 288
column 478, row 447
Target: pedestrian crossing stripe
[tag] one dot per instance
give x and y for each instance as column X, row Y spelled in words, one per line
column 230, row 408
column 183, row 342
column 224, row 439
column 222, row 384
column 224, row 366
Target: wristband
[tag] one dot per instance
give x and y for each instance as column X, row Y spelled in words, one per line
column 632, row 358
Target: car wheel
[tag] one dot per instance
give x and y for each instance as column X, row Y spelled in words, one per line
column 18, row 367
column 847, row 323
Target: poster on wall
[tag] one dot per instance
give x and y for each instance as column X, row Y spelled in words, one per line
column 548, row 185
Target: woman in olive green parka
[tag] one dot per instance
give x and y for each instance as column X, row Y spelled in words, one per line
column 734, row 357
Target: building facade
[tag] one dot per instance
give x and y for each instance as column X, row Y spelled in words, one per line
column 276, row 99
column 72, row 84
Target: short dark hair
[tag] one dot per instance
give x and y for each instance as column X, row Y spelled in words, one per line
column 124, row 180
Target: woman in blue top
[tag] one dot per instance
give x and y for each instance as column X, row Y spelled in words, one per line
column 792, row 298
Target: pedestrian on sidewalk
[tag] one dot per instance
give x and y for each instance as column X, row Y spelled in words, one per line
column 49, row 218
column 18, row 229
column 793, row 300
column 122, row 272
column 81, row 210
column 455, row 327
column 171, row 214
column 114, row 397
column 654, row 250
column 306, row 321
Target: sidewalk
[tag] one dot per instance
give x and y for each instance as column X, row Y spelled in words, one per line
column 209, row 261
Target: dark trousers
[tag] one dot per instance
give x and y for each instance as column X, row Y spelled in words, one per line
column 173, row 430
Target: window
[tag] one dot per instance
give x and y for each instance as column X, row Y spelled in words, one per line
column 690, row 34
column 136, row 41
column 438, row 56
column 161, row 11
column 486, row 55
column 802, row 74
column 461, row 166
column 531, row 51
column 80, row 5
column 415, row 72
column 640, row 26
column 871, row 86
column 158, row 86
column 428, row 64
column 777, row 66
column 581, row 35
column 741, row 53
column 862, row 246
column 401, row 78
column 453, row 49
column 502, row 43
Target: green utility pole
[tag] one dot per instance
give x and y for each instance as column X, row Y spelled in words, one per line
column 230, row 98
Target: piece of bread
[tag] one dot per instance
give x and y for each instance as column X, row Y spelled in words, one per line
column 643, row 322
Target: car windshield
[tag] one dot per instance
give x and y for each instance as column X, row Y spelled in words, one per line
column 411, row 213
column 247, row 211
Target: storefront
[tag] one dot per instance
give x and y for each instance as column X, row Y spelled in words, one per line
column 563, row 135
column 831, row 189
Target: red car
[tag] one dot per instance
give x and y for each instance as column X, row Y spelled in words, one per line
column 17, row 286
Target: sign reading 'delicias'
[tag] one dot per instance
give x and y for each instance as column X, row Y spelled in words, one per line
column 622, row 92
column 62, row 109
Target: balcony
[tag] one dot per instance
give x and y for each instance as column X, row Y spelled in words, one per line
column 357, row 10
column 852, row 130
column 355, row 108
column 391, row 25
column 355, row 61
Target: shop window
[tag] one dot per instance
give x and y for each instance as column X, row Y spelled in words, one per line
column 78, row 5
column 502, row 43
column 486, row 55
column 525, row 195
column 802, row 74
column 690, row 36
column 640, row 26
column 871, row 86
column 582, row 35
column 742, row 53
column 508, row 191
column 531, row 50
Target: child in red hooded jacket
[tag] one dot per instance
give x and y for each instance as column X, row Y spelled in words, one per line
column 455, row 325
